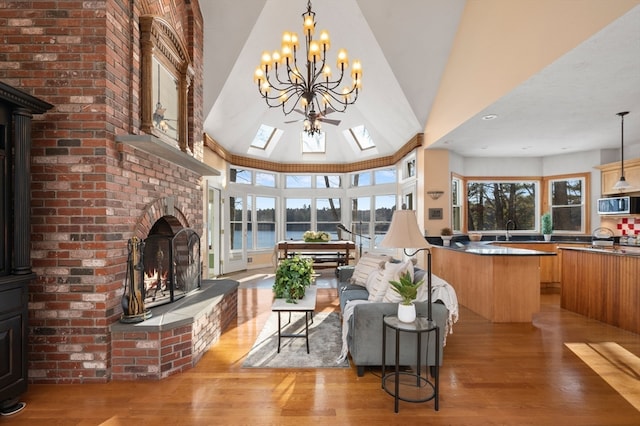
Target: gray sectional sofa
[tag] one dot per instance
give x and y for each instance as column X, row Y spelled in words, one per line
column 364, row 336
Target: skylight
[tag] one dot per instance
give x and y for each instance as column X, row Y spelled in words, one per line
column 263, row 137
column 313, row 144
column 361, row 136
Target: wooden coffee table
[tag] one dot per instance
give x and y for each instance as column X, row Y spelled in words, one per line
column 307, row 305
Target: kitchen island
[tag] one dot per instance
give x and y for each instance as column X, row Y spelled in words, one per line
column 502, row 284
column 602, row 284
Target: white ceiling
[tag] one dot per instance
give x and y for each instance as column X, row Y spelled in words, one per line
column 404, row 46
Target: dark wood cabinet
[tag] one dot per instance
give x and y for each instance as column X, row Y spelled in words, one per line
column 13, row 336
column 16, row 112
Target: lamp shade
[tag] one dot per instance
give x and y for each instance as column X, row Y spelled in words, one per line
column 404, row 232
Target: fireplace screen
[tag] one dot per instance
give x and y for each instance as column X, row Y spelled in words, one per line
column 171, row 266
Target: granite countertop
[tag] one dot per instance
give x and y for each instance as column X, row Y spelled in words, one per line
column 614, row 250
column 488, row 249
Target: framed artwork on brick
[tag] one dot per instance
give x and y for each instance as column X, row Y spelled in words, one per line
column 166, row 74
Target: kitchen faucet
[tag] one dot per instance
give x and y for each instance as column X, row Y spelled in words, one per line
column 508, row 236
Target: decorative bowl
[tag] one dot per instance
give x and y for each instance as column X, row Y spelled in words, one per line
column 475, row 237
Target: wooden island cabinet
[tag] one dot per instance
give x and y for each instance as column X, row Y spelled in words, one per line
column 549, row 265
column 502, row 284
column 602, row 285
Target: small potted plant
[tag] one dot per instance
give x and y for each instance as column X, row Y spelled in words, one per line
column 408, row 291
column 446, row 234
column 293, row 276
column 547, row 226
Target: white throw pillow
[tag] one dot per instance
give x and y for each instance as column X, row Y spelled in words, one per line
column 367, row 264
column 378, row 287
column 393, row 272
column 374, row 281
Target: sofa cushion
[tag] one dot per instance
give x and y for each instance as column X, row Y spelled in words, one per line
column 352, row 292
column 367, row 264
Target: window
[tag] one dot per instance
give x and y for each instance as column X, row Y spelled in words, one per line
column 265, row 179
column 384, row 176
column 240, row 176
column 263, row 137
column 328, row 215
column 265, row 218
column 363, row 210
column 298, row 181
column 360, row 179
column 313, row 144
column 361, row 135
column 490, row 205
column 250, row 218
column 328, row 182
column 235, row 215
column 567, row 204
column 298, row 217
column 360, row 218
column 384, row 207
column 409, row 168
column 456, row 204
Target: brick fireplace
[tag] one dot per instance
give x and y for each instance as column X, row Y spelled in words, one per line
column 75, row 303
column 98, row 179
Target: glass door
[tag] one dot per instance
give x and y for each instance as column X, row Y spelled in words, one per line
column 236, row 235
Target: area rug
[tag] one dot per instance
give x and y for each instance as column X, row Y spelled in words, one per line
column 325, row 343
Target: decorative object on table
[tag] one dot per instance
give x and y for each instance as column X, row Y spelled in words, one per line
column 475, row 236
column 408, row 291
column 546, row 225
column 404, row 232
column 293, row 276
column 316, row 237
column 446, row 234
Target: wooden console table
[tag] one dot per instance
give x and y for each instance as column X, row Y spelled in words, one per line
column 324, row 255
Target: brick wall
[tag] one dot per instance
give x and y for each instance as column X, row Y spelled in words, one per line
column 89, row 193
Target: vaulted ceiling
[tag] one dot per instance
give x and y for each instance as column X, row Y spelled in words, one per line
column 554, row 72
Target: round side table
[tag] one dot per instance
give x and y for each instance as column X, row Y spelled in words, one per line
column 415, row 387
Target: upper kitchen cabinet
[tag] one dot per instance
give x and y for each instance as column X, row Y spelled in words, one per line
column 610, row 173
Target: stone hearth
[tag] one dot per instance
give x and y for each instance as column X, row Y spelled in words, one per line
column 176, row 336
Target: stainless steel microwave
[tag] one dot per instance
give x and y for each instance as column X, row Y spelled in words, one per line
column 619, row 205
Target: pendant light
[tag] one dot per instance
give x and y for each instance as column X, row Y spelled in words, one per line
column 622, row 183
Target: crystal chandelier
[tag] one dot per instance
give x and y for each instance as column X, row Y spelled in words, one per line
column 307, row 86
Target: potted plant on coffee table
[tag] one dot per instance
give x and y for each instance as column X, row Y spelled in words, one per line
column 293, row 276
column 408, row 291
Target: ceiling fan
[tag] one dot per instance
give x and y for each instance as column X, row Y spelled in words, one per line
column 313, row 116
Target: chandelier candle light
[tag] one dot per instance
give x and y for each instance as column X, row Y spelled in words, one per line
column 311, row 89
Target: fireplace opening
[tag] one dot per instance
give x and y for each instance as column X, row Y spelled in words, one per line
column 171, row 262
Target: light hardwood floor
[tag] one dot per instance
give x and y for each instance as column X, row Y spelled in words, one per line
column 493, row 374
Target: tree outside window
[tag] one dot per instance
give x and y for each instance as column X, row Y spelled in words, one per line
column 567, row 204
column 490, row 205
